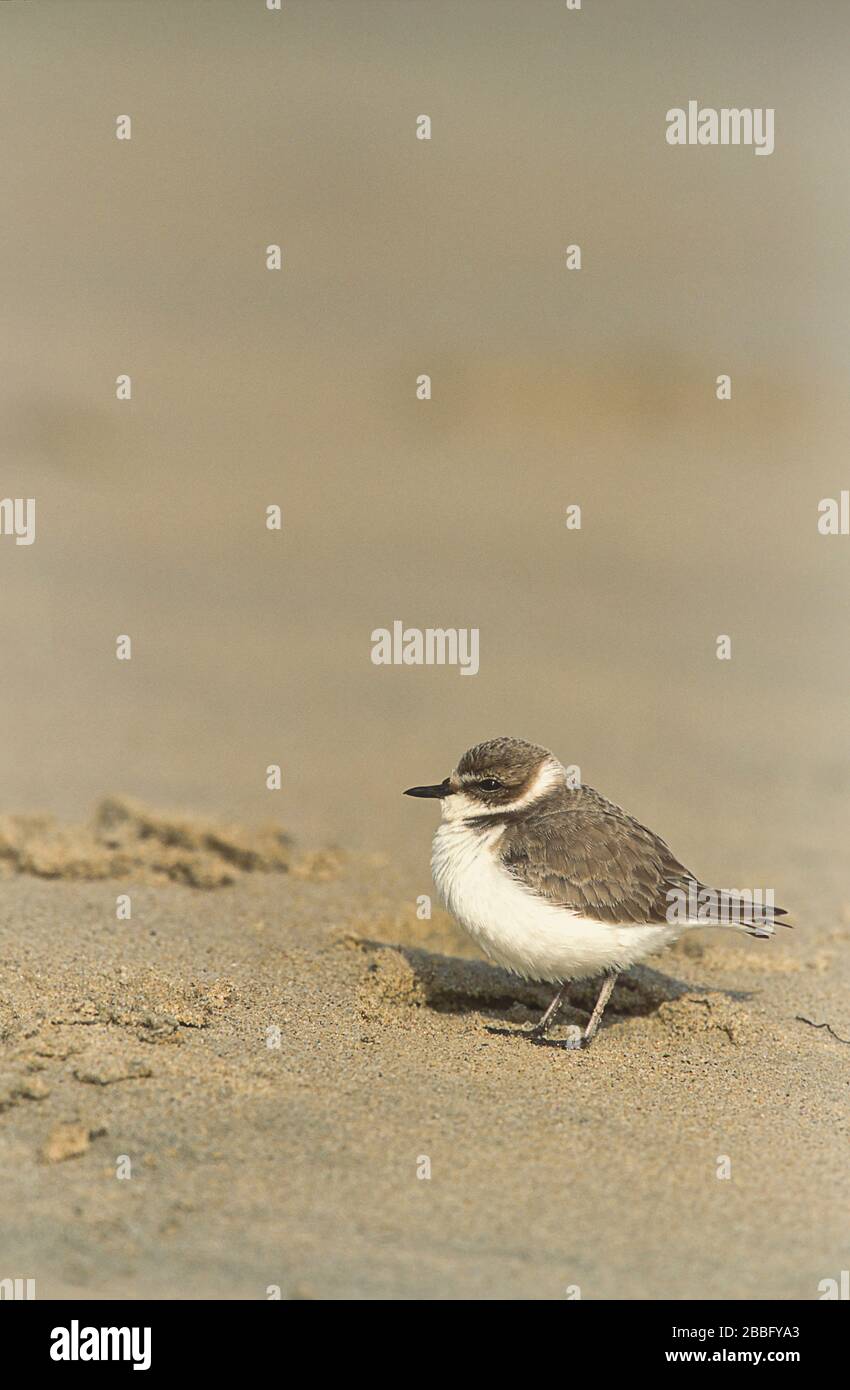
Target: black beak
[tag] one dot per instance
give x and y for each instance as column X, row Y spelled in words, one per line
column 442, row 790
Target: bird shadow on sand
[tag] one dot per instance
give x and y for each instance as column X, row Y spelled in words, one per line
column 405, row 975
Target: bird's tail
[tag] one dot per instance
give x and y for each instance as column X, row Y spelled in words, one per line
column 753, row 912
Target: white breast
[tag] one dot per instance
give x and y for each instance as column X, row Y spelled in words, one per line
column 521, row 931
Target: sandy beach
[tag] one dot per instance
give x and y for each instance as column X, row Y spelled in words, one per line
column 260, row 1161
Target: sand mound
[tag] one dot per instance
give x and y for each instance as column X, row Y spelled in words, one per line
column 128, row 840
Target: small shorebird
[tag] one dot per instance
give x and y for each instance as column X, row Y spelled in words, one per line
column 556, row 883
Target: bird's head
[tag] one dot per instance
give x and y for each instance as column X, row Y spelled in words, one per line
column 501, row 775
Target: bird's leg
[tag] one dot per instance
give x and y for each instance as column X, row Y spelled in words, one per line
column 548, row 1018
column 596, row 1017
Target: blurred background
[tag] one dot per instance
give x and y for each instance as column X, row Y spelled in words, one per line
column 550, row 387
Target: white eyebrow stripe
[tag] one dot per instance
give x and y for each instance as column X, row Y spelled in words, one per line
column 550, row 774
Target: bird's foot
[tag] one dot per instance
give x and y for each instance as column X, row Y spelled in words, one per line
column 573, row 1042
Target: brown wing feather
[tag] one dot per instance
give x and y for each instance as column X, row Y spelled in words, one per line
column 590, row 856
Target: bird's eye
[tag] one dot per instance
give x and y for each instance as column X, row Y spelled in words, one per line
column 491, row 784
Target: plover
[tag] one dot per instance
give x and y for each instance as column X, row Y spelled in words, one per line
column 555, row 882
